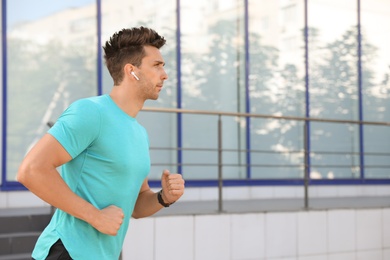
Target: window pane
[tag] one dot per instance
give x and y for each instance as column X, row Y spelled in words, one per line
column 376, row 86
column 276, row 87
column 276, row 150
column 333, row 73
column 377, row 151
column 376, row 60
column 200, row 146
column 161, row 127
column 212, row 79
column 51, row 62
column 333, row 87
column 334, row 151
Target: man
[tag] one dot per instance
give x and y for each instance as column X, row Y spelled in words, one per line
column 105, row 158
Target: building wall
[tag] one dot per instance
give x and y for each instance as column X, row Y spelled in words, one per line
column 228, row 60
column 25, row 199
column 305, row 235
column 329, row 234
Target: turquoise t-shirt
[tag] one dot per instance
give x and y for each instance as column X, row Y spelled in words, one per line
column 110, row 161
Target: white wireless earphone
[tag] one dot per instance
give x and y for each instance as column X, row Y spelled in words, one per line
column 135, row 76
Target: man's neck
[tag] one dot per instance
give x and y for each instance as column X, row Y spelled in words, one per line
column 126, row 100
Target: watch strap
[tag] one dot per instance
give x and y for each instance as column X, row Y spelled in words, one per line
column 161, row 201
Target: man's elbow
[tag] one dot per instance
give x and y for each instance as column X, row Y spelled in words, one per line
column 25, row 173
column 135, row 215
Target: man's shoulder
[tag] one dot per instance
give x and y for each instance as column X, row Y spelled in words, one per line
column 92, row 100
column 93, row 103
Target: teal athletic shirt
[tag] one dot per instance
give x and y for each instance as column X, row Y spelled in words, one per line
column 110, row 161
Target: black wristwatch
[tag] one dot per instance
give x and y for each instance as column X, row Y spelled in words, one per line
column 161, row 201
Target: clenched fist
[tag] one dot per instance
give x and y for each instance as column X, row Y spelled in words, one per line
column 172, row 186
column 109, row 220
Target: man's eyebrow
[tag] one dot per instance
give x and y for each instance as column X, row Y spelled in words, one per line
column 158, row 62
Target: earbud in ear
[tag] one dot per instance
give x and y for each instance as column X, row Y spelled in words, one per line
column 135, row 76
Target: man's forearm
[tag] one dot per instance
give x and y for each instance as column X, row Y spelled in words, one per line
column 147, row 204
column 50, row 187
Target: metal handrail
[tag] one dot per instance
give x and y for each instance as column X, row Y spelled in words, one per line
column 237, row 114
column 253, row 115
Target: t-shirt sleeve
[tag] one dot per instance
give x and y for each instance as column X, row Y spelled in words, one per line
column 78, row 127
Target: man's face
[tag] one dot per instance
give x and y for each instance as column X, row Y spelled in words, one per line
column 151, row 73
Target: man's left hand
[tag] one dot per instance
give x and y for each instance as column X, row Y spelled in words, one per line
column 172, row 186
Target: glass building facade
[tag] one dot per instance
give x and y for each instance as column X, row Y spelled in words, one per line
column 327, row 60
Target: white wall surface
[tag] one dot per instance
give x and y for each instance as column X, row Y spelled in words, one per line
column 356, row 234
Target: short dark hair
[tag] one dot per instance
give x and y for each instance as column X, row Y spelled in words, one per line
column 127, row 46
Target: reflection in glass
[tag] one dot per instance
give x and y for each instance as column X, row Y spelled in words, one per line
column 333, row 88
column 212, row 65
column 335, row 151
column 276, row 87
column 51, row 62
column 333, row 73
column 376, row 86
column 52, row 57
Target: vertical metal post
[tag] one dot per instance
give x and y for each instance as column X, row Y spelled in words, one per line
column 306, row 162
column 99, row 68
column 220, row 180
column 307, row 108
column 360, row 88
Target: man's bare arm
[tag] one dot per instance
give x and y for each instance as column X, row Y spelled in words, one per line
column 147, row 202
column 38, row 172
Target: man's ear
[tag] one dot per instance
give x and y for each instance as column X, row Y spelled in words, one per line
column 128, row 68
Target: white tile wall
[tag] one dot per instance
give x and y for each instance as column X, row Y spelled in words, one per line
column 327, row 191
column 313, row 257
column 281, row 235
column 342, row 231
column 277, row 258
column 348, row 191
column 369, row 229
column 236, row 193
column 375, row 190
column 288, row 192
column 313, row 191
column 248, row 236
column 176, row 235
column 337, row 234
column 386, row 228
column 190, row 194
column 312, row 233
column 342, row 256
column 208, row 194
column 368, row 191
column 19, row 199
column 261, row 192
column 27, row 199
column 139, row 242
column 3, row 199
column 383, row 190
column 212, row 237
column 386, row 254
column 369, row 255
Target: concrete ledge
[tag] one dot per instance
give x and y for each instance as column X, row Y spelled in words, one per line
column 273, row 205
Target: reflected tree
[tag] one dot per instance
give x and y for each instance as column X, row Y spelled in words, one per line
column 42, row 80
column 336, row 84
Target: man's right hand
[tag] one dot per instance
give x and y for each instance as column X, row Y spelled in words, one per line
column 109, row 220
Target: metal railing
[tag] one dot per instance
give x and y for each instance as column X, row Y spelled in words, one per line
column 305, row 151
